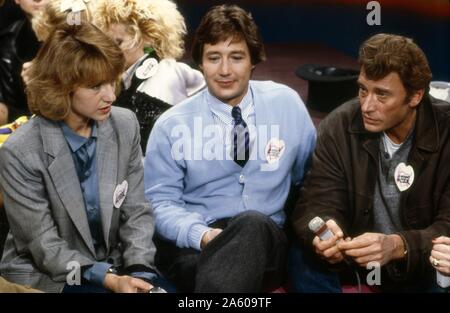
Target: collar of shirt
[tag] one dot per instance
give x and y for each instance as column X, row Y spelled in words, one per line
column 128, row 75
column 222, row 111
column 391, row 147
column 74, row 140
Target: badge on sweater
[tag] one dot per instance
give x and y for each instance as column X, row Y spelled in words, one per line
column 120, row 193
column 404, row 176
column 274, row 150
column 147, row 69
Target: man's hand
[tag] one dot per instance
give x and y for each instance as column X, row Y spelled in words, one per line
column 327, row 249
column 208, row 236
column 125, row 284
column 374, row 247
column 440, row 255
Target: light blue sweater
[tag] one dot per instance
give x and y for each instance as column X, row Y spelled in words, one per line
column 189, row 190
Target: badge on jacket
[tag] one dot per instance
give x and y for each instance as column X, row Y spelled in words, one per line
column 404, row 176
column 147, row 69
column 120, row 193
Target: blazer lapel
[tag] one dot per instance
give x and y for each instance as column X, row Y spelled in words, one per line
column 65, row 179
column 107, row 165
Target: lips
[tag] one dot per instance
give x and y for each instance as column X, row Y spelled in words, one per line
column 225, row 83
column 105, row 109
column 369, row 120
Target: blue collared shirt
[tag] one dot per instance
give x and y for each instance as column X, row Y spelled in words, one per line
column 83, row 153
column 88, row 177
column 221, row 113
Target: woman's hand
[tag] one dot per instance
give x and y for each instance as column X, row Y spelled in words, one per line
column 125, row 284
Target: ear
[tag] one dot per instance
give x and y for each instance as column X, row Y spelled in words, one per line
column 200, row 66
column 416, row 98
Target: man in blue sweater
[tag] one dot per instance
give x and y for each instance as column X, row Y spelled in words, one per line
column 219, row 166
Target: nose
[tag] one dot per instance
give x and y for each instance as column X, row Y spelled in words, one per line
column 367, row 103
column 224, row 68
column 109, row 94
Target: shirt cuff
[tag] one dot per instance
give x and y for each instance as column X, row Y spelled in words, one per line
column 148, row 276
column 195, row 235
column 96, row 273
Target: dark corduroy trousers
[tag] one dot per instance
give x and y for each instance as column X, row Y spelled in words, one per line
column 249, row 255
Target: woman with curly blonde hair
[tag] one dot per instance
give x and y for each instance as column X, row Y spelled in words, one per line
column 58, row 13
column 150, row 34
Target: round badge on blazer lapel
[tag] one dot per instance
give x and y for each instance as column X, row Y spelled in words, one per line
column 147, row 69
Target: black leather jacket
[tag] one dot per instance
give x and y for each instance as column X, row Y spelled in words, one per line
column 18, row 44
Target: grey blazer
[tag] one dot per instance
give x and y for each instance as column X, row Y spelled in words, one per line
column 45, row 208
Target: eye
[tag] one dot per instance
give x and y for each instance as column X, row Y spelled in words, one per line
column 381, row 95
column 213, row 59
column 362, row 91
column 96, row 87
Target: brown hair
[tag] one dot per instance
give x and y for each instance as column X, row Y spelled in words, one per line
column 382, row 54
column 73, row 56
column 225, row 21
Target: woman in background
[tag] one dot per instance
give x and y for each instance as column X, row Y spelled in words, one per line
column 150, row 34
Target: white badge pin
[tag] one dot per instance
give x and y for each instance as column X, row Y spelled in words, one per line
column 120, row 193
column 404, row 176
column 147, row 69
column 274, row 150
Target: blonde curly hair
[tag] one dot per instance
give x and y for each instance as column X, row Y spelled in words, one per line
column 155, row 23
column 51, row 17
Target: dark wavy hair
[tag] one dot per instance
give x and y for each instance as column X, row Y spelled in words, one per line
column 224, row 21
column 382, row 54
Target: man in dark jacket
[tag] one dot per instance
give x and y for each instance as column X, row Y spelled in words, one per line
column 18, row 44
column 380, row 176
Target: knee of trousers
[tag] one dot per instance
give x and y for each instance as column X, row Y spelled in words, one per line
column 253, row 220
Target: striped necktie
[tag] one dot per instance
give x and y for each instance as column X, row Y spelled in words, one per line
column 241, row 138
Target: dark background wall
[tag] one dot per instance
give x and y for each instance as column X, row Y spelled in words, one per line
column 342, row 24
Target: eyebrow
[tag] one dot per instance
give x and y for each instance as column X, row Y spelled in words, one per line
column 231, row 52
column 376, row 89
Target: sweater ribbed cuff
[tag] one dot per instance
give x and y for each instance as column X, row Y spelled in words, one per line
column 195, row 235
